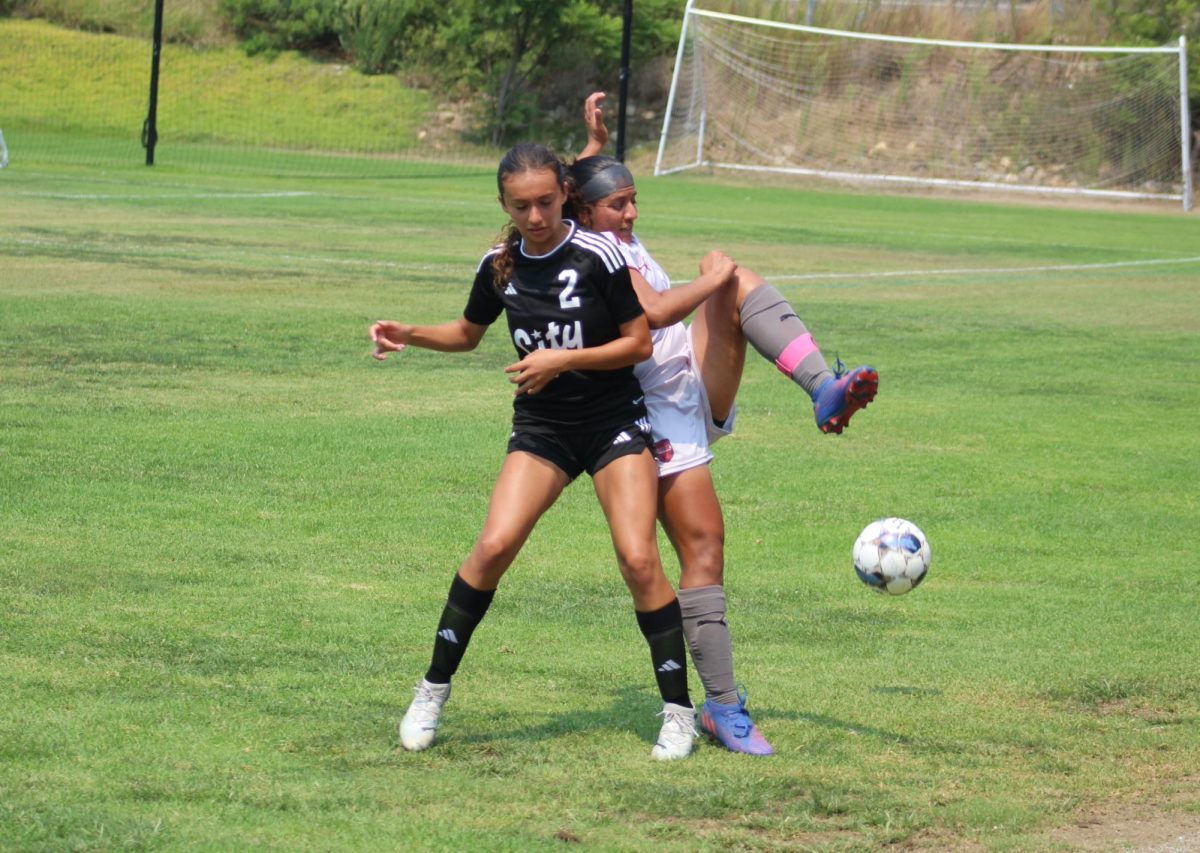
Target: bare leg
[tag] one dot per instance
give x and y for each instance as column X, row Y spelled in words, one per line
column 719, row 344
column 691, row 517
column 526, row 487
column 627, row 488
column 524, row 490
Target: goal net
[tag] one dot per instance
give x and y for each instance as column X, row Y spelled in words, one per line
column 754, row 94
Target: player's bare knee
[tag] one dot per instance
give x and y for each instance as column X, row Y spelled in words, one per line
column 702, row 560
column 641, row 570
column 701, row 574
column 747, row 281
column 493, row 553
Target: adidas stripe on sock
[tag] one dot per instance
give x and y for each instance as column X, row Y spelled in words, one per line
column 465, row 608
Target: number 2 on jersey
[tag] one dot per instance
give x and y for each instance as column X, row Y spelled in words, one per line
column 567, row 298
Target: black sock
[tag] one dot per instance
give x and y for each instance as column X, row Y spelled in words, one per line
column 465, row 608
column 663, row 630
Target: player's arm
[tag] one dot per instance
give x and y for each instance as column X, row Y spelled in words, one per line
column 593, row 118
column 540, row 367
column 674, row 304
column 457, row 336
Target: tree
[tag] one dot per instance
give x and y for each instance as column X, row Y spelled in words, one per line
column 519, row 60
column 1160, row 22
column 516, row 51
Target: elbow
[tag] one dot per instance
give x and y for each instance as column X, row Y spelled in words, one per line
column 659, row 313
column 659, row 319
column 643, row 350
column 655, row 308
column 469, row 336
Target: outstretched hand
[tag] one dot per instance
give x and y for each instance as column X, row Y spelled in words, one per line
column 387, row 336
column 593, row 117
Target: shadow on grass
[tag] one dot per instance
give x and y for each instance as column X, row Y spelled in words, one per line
column 636, row 709
column 628, row 708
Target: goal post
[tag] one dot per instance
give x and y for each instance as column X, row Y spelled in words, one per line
column 761, row 95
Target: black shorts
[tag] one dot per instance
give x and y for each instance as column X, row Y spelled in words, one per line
column 579, row 451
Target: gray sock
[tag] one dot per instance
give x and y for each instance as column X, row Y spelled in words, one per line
column 772, row 327
column 709, row 642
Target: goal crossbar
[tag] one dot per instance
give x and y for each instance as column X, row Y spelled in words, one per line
column 851, row 34
column 700, row 114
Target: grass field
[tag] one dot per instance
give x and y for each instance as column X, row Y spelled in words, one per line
column 95, row 88
column 228, row 532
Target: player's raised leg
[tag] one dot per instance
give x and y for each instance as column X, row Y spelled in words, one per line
column 772, row 326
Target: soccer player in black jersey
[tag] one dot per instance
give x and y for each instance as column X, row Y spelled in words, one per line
column 578, row 329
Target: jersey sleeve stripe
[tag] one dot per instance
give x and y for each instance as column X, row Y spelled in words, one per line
column 487, row 259
column 608, row 253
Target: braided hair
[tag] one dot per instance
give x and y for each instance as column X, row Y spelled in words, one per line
column 522, row 157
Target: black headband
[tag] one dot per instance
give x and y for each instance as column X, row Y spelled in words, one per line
column 607, row 181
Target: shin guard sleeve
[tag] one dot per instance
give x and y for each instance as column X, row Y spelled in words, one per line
column 663, row 630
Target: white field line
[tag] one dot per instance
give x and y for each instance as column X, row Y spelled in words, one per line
column 831, row 276
column 160, row 252
column 902, row 233
column 153, row 197
column 109, row 248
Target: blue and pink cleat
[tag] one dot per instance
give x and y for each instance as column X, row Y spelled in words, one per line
column 731, row 726
column 840, row 397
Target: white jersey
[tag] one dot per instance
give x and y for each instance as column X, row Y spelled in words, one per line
column 680, row 417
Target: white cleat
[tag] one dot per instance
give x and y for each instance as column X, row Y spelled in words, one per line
column 678, row 733
column 420, row 722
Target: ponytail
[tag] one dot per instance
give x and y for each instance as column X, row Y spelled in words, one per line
column 504, row 261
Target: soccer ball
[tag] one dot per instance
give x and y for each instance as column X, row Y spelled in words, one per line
column 891, row 555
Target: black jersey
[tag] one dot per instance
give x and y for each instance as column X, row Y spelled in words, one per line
column 573, row 297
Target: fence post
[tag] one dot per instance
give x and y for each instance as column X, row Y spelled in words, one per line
column 623, row 96
column 150, row 128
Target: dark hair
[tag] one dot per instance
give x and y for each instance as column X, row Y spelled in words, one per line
column 580, row 196
column 522, row 157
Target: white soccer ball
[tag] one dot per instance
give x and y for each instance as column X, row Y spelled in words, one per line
column 891, row 556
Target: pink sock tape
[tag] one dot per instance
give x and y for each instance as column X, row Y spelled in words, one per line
column 794, row 353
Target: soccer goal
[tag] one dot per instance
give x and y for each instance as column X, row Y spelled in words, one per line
column 762, row 95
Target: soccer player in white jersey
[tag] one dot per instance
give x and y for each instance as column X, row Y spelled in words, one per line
column 691, row 384
column 578, row 329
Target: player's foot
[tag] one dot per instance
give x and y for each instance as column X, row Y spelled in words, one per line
column 420, row 722
column 840, row 397
column 731, row 726
column 678, row 733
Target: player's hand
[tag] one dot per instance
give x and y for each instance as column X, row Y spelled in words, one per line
column 593, row 117
column 388, row 336
column 536, row 370
column 719, row 264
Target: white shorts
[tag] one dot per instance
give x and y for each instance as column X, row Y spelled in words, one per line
column 681, row 419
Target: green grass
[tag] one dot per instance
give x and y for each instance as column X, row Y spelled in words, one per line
column 91, row 85
column 184, row 21
column 227, row 532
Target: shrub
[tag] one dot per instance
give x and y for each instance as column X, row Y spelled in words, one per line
column 274, row 25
